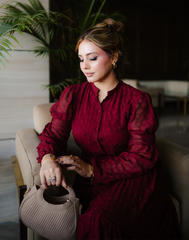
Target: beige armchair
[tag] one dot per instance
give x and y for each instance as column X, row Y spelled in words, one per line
column 175, row 159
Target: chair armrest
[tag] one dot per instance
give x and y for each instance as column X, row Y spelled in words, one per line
column 175, row 159
column 26, row 142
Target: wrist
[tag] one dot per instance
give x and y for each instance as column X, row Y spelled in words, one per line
column 48, row 156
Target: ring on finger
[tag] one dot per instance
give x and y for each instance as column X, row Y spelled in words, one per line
column 52, row 179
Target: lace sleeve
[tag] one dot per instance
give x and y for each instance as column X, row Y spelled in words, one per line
column 56, row 133
column 142, row 152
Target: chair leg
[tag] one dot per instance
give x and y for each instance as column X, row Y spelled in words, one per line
column 178, row 104
column 185, row 106
column 159, row 104
column 22, row 227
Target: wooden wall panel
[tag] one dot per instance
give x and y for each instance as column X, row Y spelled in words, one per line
column 20, row 90
column 21, row 85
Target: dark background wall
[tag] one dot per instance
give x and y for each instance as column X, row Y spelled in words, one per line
column 158, row 37
column 157, row 34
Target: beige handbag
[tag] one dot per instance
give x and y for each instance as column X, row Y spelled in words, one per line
column 50, row 215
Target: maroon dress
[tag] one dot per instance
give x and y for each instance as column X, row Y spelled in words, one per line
column 129, row 196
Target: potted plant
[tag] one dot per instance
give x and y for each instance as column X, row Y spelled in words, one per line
column 7, row 30
column 57, row 33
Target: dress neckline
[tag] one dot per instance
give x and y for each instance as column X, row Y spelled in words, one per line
column 96, row 90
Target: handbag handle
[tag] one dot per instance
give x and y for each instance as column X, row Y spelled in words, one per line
column 70, row 190
column 62, row 204
column 72, row 196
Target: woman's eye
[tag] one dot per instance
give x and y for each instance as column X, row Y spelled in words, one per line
column 93, row 59
column 80, row 60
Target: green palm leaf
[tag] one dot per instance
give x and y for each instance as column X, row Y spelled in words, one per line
column 6, row 34
column 47, row 26
column 4, row 49
column 55, row 88
column 1, row 55
column 2, row 63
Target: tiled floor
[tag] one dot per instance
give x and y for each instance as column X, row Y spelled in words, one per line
column 9, row 228
column 172, row 126
column 8, row 197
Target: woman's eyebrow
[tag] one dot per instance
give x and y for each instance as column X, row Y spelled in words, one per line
column 88, row 54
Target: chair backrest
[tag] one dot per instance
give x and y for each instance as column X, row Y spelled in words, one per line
column 41, row 116
column 171, row 87
column 175, row 159
column 177, row 88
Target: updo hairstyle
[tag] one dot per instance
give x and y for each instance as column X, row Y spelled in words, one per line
column 108, row 35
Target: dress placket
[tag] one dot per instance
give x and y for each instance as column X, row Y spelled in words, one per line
column 99, row 113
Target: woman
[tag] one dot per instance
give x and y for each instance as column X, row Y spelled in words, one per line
column 120, row 180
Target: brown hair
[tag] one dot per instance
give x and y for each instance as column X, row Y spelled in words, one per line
column 108, row 35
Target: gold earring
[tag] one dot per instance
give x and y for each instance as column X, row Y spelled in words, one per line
column 114, row 65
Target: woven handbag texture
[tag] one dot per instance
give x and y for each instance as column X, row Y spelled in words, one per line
column 52, row 221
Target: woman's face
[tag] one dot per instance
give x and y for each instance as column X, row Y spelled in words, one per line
column 94, row 62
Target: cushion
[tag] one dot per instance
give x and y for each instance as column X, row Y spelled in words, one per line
column 41, row 116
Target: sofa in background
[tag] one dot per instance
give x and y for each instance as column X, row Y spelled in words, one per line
column 175, row 159
column 172, row 89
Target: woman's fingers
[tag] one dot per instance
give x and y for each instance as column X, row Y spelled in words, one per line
column 58, row 176
column 76, row 164
column 68, row 161
column 65, row 159
column 51, row 174
column 43, row 181
column 72, row 168
column 51, row 177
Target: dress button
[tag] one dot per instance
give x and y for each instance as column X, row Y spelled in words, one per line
column 99, row 111
column 96, row 129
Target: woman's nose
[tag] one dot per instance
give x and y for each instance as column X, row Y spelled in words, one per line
column 86, row 65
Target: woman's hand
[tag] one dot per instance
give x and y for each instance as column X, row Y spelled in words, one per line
column 49, row 169
column 74, row 163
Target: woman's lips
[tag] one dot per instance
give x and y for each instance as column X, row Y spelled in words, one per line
column 89, row 74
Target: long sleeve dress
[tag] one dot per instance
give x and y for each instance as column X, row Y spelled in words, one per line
column 129, row 196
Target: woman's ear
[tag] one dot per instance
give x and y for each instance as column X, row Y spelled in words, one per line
column 115, row 57
column 114, row 60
